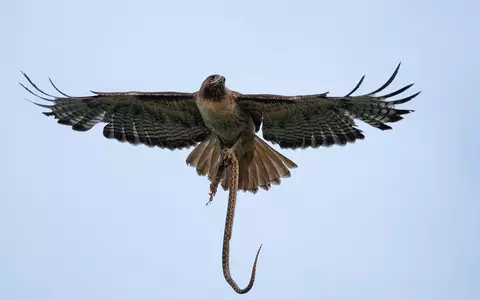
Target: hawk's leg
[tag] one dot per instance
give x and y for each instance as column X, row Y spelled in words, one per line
column 226, row 157
column 216, row 180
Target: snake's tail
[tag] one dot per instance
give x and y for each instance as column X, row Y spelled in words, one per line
column 235, row 286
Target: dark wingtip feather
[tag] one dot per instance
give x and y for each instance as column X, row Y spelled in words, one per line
column 356, row 87
column 386, row 84
column 403, row 111
column 58, row 90
column 395, row 118
column 399, row 91
column 80, row 127
column 35, row 86
column 359, row 135
column 406, row 99
column 39, row 104
column 47, row 113
column 64, row 122
column 36, row 95
column 383, row 126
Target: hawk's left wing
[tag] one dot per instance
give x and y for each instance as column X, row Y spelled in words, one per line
column 164, row 119
column 319, row 120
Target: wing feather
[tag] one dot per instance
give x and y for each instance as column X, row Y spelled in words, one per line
column 163, row 119
column 320, row 120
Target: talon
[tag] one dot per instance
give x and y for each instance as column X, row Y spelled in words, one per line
column 227, row 156
column 211, row 194
column 216, row 180
column 213, row 188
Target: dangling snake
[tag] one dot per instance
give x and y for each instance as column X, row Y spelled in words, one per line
column 229, row 158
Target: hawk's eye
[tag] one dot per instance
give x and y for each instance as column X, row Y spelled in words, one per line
column 211, row 77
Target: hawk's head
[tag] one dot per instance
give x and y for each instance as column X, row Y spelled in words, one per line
column 213, row 87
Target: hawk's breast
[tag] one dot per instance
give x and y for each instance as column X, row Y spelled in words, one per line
column 224, row 118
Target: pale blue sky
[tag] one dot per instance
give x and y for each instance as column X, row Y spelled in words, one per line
column 392, row 217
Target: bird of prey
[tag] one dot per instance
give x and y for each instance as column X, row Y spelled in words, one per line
column 223, row 125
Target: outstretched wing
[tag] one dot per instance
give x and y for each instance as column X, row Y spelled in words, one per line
column 165, row 119
column 319, row 120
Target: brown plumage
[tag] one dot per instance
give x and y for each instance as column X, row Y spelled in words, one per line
column 216, row 119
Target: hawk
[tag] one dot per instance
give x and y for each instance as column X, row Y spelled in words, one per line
column 224, row 123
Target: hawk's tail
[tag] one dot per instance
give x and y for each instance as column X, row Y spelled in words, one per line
column 262, row 167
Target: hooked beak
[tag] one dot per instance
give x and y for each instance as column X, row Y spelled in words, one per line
column 219, row 79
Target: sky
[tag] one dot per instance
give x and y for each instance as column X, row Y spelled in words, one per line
column 394, row 216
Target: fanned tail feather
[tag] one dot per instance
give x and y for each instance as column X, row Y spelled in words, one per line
column 261, row 167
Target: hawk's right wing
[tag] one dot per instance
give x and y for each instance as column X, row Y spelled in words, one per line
column 164, row 119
